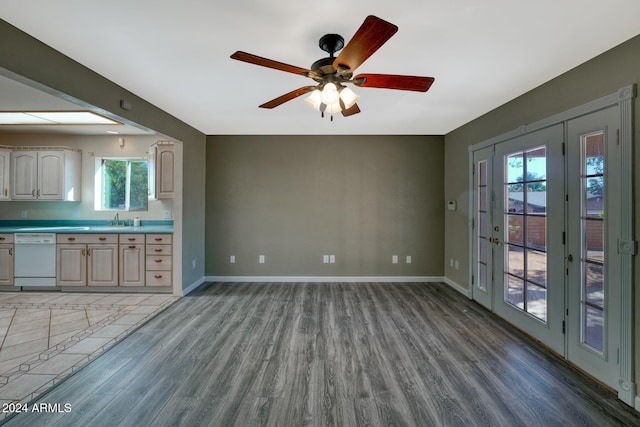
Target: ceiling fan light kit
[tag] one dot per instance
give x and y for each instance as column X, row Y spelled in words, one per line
column 331, row 74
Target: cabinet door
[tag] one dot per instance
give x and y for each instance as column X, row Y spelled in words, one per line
column 132, row 261
column 5, row 158
column 6, row 265
column 151, row 171
column 50, row 175
column 24, row 175
column 72, row 265
column 165, row 173
column 102, row 265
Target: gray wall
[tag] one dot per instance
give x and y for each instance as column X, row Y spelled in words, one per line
column 601, row 76
column 297, row 198
column 32, row 62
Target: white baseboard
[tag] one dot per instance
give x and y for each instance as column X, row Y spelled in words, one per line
column 294, row 279
column 192, row 287
column 464, row 291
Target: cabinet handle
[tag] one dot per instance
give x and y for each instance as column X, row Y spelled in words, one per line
column 11, row 251
column 158, row 276
column 132, row 247
column 88, row 252
column 33, row 192
column 72, row 239
column 38, row 192
column 102, row 238
column 158, row 249
column 158, row 260
column 83, row 252
column 158, row 239
column 3, row 238
column 132, row 239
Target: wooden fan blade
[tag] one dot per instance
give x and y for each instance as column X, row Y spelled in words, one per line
column 287, row 97
column 392, row 81
column 351, row 111
column 269, row 63
column 373, row 33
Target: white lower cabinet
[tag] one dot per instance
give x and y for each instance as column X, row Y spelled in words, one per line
column 94, row 260
column 6, row 259
column 132, row 260
column 87, row 260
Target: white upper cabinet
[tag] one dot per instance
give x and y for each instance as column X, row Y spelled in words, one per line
column 46, row 175
column 5, row 173
column 161, row 171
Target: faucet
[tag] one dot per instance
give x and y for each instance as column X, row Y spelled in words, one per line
column 116, row 218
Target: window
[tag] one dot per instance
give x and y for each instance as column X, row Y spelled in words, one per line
column 121, row 184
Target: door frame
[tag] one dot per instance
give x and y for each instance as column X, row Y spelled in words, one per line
column 623, row 98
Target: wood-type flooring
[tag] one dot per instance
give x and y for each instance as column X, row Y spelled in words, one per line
column 331, row 354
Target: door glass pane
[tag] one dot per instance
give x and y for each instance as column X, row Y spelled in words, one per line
column 526, row 231
column 515, row 226
column 537, row 300
column 593, row 284
column 537, row 267
column 514, row 291
column 514, row 262
column 593, row 328
column 482, row 214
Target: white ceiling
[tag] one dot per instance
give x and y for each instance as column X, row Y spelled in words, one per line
column 175, row 54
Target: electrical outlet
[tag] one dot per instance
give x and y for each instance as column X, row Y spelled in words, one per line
column 75, row 214
column 23, row 214
column 261, row 259
column 408, row 259
column 450, row 262
column 166, row 215
column 332, row 259
column 325, row 259
column 193, row 263
column 232, row 259
column 456, row 265
column 394, row 259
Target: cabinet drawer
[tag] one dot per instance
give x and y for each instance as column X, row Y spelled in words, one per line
column 132, row 238
column 158, row 278
column 6, row 238
column 159, row 239
column 87, row 238
column 158, row 262
column 159, row 249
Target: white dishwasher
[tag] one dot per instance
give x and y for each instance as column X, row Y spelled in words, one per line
column 35, row 259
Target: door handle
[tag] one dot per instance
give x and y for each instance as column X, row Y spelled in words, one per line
column 570, row 258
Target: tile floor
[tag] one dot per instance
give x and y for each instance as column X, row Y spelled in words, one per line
column 46, row 336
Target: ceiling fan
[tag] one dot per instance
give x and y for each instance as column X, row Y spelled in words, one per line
column 330, row 95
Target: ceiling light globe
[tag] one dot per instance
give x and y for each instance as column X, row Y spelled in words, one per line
column 349, row 97
column 314, row 100
column 330, row 94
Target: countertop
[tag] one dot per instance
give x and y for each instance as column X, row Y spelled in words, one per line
column 82, row 227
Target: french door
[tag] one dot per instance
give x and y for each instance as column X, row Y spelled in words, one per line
column 594, row 275
column 518, row 249
column 551, row 239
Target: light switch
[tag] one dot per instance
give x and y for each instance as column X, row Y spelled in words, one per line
column 408, row 259
column 261, row 259
column 332, row 259
column 394, row 259
column 325, row 259
column 232, row 259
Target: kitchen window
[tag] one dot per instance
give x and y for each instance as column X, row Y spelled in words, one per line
column 121, row 184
